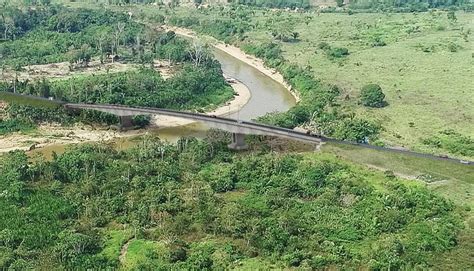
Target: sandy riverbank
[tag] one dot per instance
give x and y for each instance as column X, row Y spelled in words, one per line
column 54, row 135
column 241, row 98
column 48, row 134
column 241, row 55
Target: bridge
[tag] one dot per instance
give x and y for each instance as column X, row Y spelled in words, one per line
column 238, row 128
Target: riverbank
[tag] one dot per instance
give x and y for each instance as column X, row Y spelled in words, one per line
column 240, row 55
column 241, row 98
column 50, row 134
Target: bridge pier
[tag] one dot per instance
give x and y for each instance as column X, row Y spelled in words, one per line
column 238, row 142
column 318, row 146
column 126, row 122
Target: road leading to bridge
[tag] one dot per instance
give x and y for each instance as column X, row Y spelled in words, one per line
column 239, row 128
column 236, row 127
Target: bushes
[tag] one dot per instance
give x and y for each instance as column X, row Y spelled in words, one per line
column 371, row 95
column 275, row 3
column 337, row 52
column 15, row 125
column 333, row 52
column 356, row 130
column 406, row 5
column 297, row 209
column 452, row 142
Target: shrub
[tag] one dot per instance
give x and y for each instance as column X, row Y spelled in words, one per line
column 324, row 45
column 372, row 96
column 338, row 52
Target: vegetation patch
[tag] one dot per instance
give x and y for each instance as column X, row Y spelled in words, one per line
column 15, row 125
column 298, row 210
column 55, row 33
column 452, row 142
column 372, row 96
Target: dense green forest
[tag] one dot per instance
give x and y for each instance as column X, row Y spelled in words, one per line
column 54, row 34
column 225, row 210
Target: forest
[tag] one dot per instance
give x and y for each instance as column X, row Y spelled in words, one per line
column 54, row 34
column 78, row 210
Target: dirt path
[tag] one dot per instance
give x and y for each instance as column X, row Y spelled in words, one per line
column 123, row 251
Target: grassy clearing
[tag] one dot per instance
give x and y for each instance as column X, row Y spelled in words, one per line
column 428, row 85
column 422, row 61
column 115, row 239
column 140, row 251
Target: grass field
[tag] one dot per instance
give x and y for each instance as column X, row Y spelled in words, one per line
column 428, row 87
column 423, row 62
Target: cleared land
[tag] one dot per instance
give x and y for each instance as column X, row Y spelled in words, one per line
column 422, row 61
column 428, row 87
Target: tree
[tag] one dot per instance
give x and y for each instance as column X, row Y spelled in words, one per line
column 118, row 35
column 14, row 175
column 372, row 96
column 199, row 53
column 85, row 54
column 340, row 3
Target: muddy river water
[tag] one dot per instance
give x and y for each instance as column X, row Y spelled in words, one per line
column 267, row 96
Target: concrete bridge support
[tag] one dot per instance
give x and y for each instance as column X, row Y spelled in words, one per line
column 238, row 142
column 126, row 122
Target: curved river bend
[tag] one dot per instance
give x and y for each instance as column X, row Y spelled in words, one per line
column 267, row 96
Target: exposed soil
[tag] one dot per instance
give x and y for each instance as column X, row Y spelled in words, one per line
column 53, row 134
column 61, row 70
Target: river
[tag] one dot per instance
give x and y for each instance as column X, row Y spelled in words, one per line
column 267, row 96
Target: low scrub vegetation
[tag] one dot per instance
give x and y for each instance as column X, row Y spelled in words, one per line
column 305, row 211
column 16, row 125
column 453, row 142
